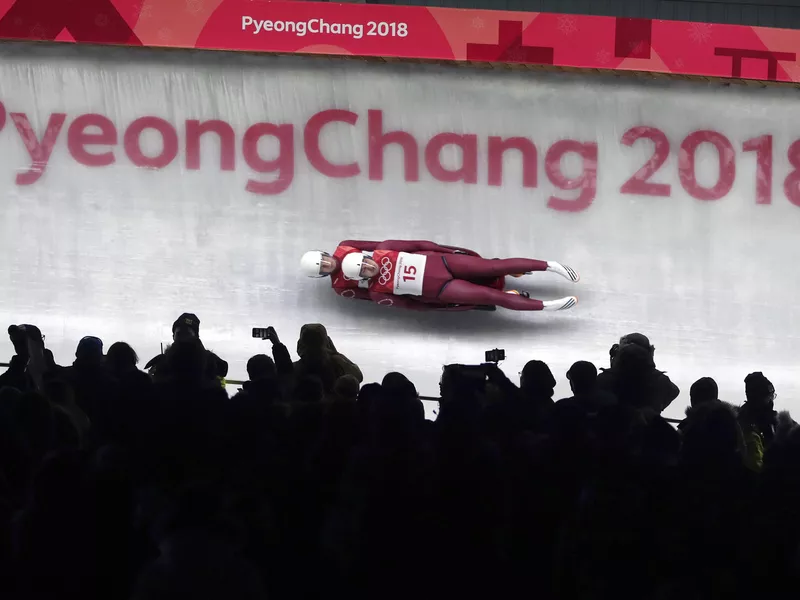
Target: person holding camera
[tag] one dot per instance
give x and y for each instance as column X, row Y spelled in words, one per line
column 281, row 360
column 633, row 377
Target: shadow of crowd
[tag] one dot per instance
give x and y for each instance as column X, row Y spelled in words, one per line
column 119, row 483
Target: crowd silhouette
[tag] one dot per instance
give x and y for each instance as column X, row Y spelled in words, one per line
column 121, row 483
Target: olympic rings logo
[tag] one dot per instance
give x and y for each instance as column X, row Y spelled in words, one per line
column 386, row 271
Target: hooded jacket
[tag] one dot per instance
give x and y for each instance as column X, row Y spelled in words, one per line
column 317, row 353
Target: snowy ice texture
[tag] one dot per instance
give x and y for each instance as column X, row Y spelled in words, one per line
column 118, row 215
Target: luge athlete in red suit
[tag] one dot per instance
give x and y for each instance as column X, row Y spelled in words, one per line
column 422, row 275
column 317, row 263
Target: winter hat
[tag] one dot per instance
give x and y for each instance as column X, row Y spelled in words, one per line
column 187, row 321
column 757, row 385
column 582, row 370
column 582, row 375
column 89, row 347
column 397, row 385
column 638, row 339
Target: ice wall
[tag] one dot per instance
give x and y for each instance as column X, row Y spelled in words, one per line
column 137, row 185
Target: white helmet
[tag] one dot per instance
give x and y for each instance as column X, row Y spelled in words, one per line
column 311, row 263
column 351, row 265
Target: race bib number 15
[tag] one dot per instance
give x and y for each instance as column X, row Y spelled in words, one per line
column 409, row 274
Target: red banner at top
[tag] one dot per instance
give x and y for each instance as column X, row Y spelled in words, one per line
column 414, row 32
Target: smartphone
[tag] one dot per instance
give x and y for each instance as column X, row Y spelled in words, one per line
column 263, row 333
column 495, row 356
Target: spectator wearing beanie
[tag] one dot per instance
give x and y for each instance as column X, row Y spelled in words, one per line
column 186, row 328
column 582, row 377
column 757, row 417
column 703, row 391
column 537, row 385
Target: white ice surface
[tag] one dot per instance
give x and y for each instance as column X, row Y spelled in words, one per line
column 120, row 251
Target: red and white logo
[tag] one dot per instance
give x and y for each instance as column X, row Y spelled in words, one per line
column 385, row 274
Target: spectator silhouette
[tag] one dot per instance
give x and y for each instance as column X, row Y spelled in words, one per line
column 712, row 438
column 263, row 385
column 31, row 363
column 367, row 396
column 185, row 329
column 121, row 361
column 703, row 391
column 399, row 389
column 582, row 377
column 96, row 390
column 135, row 406
column 537, row 386
column 261, row 367
column 633, row 377
column 773, row 526
column 757, row 417
column 385, row 504
column 305, row 483
column 319, row 357
column 281, row 359
column 17, row 459
column 757, row 413
column 714, row 492
column 346, row 389
column 191, row 423
column 471, row 488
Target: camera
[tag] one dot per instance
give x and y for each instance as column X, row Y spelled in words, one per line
column 495, row 356
column 458, row 380
column 263, row 333
column 476, row 373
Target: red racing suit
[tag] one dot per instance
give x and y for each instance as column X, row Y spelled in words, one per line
column 351, row 288
column 421, row 275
